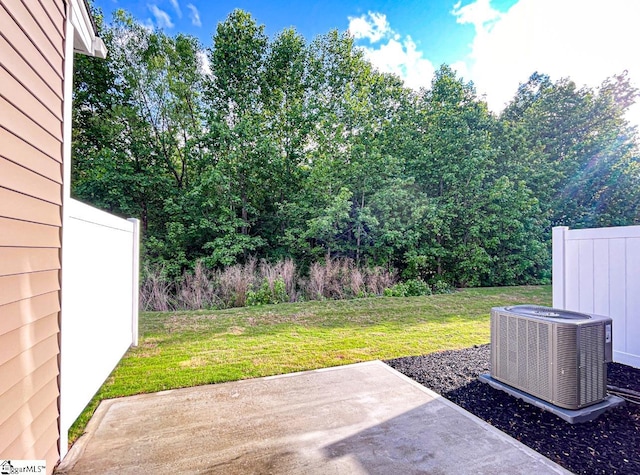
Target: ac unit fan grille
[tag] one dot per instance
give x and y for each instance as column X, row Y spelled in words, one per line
column 591, row 366
column 524, row 346
column 567, row 370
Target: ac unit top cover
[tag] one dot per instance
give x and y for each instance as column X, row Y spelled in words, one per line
column 557, row 315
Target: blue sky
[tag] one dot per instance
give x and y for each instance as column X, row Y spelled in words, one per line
column 495, row 43
column 430, row 23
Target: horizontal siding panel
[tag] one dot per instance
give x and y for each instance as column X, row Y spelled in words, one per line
column 37, row 439
column 52, row 456
column 26, row 234
column 28, row 156
column 13, row 428
column 19, row 41
column 23, row 180
column 32, row 49
column 16, row 314
column 60, row 6
column 55, row 15
column 17, row 260
column 14, row 92
column 28, row 129
column 38, row 18
column 14, row 370
column 44, row 379
column 26, row 337
column 49, row 94
column 45, row 442
column 26, row 20
column 24, row 286
column 18, row 206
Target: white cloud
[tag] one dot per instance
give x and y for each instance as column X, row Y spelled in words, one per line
column 393, row 53
column 461, row 69
column 194, row 14
column 586, row 41
column 372, row 26
column 176, row 7
column 401, row 57
column 480, row 14
column 163, row 20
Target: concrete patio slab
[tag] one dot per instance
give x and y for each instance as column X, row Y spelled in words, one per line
column 364, row 418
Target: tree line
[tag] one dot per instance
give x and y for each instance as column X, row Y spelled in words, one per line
column 284, row 148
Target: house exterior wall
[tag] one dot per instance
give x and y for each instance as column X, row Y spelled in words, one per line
column 32, row 58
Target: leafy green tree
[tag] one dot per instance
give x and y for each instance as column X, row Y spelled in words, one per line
column 579, row 136
column 451, row 170
column 303, row 150
column 242, row 154
column 478, row 217
column 112, row 166
column 285, row 91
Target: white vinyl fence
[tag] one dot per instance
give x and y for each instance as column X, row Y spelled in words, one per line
column 598, row 271
column 99, row 317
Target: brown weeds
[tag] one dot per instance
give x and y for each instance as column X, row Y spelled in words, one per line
column 202, row 288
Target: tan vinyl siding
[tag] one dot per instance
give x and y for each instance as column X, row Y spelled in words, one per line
column 25, row 416
column 27, row 336
column 29, row 361
column 32, row 158
column 17, row 260
column 28, row 285
column 20, row 37
column 36, row 385
column 55, row 14
column 30, row 105
column 20, row 206
column 25, row 181
column 27, row 128
column 31, row 135
column 20, row 68
column 28, row 234
column 31, row 17
column 36, row 429
column 43, row 443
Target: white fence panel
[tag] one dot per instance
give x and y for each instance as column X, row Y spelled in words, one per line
column 632, row 333
column 99, row 317
column 598, row 271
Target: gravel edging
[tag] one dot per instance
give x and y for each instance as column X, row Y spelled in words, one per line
column 608, row 445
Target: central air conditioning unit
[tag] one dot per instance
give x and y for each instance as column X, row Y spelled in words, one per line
column 555, row 355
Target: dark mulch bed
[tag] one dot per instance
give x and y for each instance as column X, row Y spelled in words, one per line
column 608, row 445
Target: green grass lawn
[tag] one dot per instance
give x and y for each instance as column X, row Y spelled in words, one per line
column 181, row 349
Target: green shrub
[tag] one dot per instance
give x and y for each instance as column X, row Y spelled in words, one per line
column 398, row 290
column 416, row 288
column 279, row 291
column 268, row 295
column 442, row 287
column 408, row 288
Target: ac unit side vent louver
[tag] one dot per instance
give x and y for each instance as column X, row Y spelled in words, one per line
column 552, row 354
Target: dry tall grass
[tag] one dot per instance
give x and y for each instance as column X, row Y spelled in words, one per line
column 155, row 290
column 196, row 290
column 234, row 282
column 340, row 278
column 285, row 270
column 204, row 288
